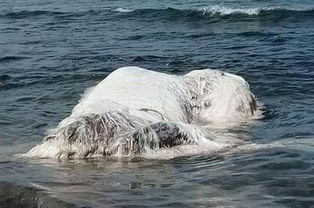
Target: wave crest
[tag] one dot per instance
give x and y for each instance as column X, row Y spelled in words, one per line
column 209, row 12
column 216, row 13
column 221, row 10
column 217, row 10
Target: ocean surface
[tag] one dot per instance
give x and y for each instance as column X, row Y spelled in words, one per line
column 52, row 50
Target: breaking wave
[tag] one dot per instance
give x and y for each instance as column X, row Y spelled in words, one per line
column 168, row 13
column 219, row 11
column 210, row 10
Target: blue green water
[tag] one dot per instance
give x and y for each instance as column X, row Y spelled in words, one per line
column 51, row 51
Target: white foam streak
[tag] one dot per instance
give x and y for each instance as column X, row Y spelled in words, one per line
column 221, row 10
column 122, row 10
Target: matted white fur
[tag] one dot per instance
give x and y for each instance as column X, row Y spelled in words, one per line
column 137, row 112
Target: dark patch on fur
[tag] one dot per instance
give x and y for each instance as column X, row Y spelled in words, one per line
column 94, row 128
column 169, row 134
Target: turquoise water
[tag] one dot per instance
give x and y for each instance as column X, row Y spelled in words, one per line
column 51, row 51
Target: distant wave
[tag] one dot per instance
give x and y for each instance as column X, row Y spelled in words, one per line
column 217, row 10
column 214, row 11
column 122, row 10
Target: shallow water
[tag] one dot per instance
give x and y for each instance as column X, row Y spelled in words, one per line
column 51, row 51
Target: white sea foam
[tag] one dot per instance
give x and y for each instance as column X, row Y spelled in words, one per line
column 137, row 112
column 122, row 10
column 221, row 10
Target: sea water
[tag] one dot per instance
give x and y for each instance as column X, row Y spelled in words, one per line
column 52, row 51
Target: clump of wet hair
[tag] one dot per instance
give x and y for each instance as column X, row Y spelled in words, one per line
column 114, row 134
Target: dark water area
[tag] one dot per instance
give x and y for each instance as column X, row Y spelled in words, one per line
column 52, row 51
